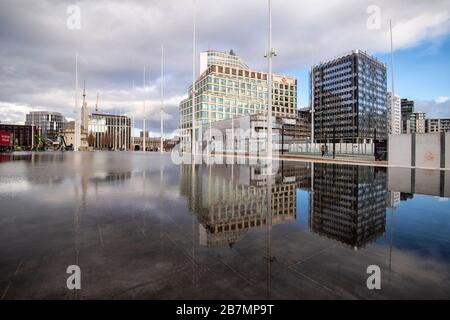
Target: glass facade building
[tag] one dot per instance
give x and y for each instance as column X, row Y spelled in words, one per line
column 227, row 88
column 110, row 131
column 394, row 114
column 349, row 203
column 228, row 203
column 416, row 123
column 349, row 95
column 47, row 124
column 407, row 109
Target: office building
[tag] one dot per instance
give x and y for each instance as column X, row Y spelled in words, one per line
column 154, row 143
column 21, row 134
column 304, row 113
column 394, row 116
column 229, row 201
column 407, row 108
column 248, row 134
column 227, row 59
column 48, row 124
column 110, row 132
column 416, row 123
column 349, row 97
column 227, row 88
column 437, row 125
column 349, row 203
column 393, row 199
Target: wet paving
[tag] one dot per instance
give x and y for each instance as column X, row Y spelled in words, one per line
column 141, row 227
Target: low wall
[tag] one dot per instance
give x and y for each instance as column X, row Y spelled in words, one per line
column 399, row 150
column 447, row 150
column 419, row 181
column 430, row 150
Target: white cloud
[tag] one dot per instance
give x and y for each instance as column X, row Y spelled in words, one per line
column 437, row 108
column 440, row 100
column 118, row 38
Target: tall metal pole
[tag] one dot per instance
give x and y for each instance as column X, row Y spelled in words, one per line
column 312, row 104
column 143, row 123
column 120, row 130
column 193, row 76
column 162, row 99
column 392, row 63
column 32, row 128
column 393, row 84
column 270, row 53
column 132, row 122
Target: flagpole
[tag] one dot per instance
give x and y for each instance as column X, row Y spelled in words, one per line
column 193, row 77
column 393, row 84
column 143, row 125
column 132, row 120
column 162, row 99
column 270, row 54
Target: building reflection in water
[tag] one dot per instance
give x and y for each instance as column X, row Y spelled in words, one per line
column 228, row 200
column 349, row 203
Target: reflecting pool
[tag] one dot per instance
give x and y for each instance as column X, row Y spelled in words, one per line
column 141, row 227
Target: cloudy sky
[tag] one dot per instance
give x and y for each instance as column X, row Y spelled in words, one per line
column 117, row 39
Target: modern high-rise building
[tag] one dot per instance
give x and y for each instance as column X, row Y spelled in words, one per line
column 349, row 98
column 437, row 125
column 228, row 201
column 407, row 108
column 47, row 124
column 349, row 203
column 228, row 59
column 110, row 132
column 227, row 88
column 416, row 123
column 394, row 116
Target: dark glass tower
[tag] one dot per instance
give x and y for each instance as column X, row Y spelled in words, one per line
column 350, row 102
column 349, row 203
column 407, row 110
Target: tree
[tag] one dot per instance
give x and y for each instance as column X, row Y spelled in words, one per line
column 107, row 140
column 91, row 140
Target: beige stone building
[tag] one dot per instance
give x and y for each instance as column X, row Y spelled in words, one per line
column 227, row 88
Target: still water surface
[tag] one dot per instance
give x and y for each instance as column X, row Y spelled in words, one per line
column 141, row 227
